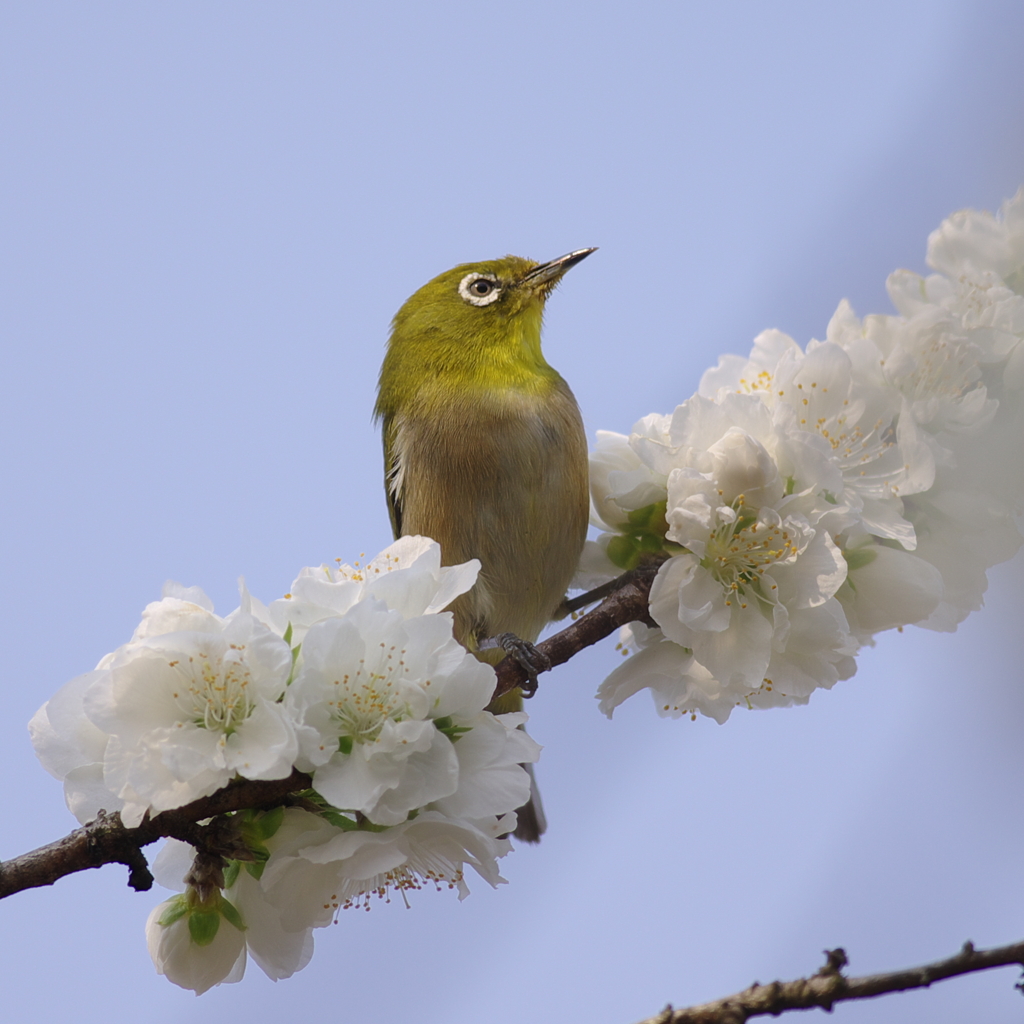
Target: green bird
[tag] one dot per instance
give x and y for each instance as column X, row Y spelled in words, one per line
column 484, row 451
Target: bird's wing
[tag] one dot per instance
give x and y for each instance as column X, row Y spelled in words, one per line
column 393, row 475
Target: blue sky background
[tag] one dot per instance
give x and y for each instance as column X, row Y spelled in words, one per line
column 209, row 213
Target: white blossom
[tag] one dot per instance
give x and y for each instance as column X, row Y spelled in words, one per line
column 189, row 703
column 188, row 711
column 322, row 869
column 490, row 750
column 388, row 707
column 382, row 706
column 877, row 453
column 678, row 683
column 928, row 362
column 277, row 951
column 886, row 588
column 621, row 479
column 407, row 576
column 196, row 946
column 72, row 749
column 748, row 510
column 747, row 594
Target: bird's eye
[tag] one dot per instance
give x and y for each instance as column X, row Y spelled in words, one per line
column 479, row 289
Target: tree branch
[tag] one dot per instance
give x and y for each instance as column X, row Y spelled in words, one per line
column 107, row 841
column 626, row 602
column 830, row 986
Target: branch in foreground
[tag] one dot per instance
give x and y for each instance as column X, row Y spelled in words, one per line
column 830, row 986
column 626, row 602
column 107, row 841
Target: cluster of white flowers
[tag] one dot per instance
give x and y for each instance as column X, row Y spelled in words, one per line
column 807, row 500
column 355, row 678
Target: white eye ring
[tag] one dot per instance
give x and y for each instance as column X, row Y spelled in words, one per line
column 479, row 289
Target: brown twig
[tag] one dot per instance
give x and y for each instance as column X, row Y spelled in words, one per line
column 107, row 841
column 830, row 986
column 627, row 602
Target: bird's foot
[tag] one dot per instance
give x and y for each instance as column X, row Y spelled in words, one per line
column 531, row 658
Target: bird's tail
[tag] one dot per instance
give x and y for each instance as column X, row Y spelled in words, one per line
column 531, row 821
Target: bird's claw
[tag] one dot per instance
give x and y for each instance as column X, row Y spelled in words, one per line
column 531, row 658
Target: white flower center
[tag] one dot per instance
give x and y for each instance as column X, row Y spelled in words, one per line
column 853, row 447
column 763, row 383
column 215, row 695
column 366, row 699
column 386, row 562
column 740, row 550
column 940, row 369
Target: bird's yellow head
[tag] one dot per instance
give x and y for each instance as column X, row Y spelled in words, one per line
column 476, row 325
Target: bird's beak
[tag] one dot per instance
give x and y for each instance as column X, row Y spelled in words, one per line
column 547, row 275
